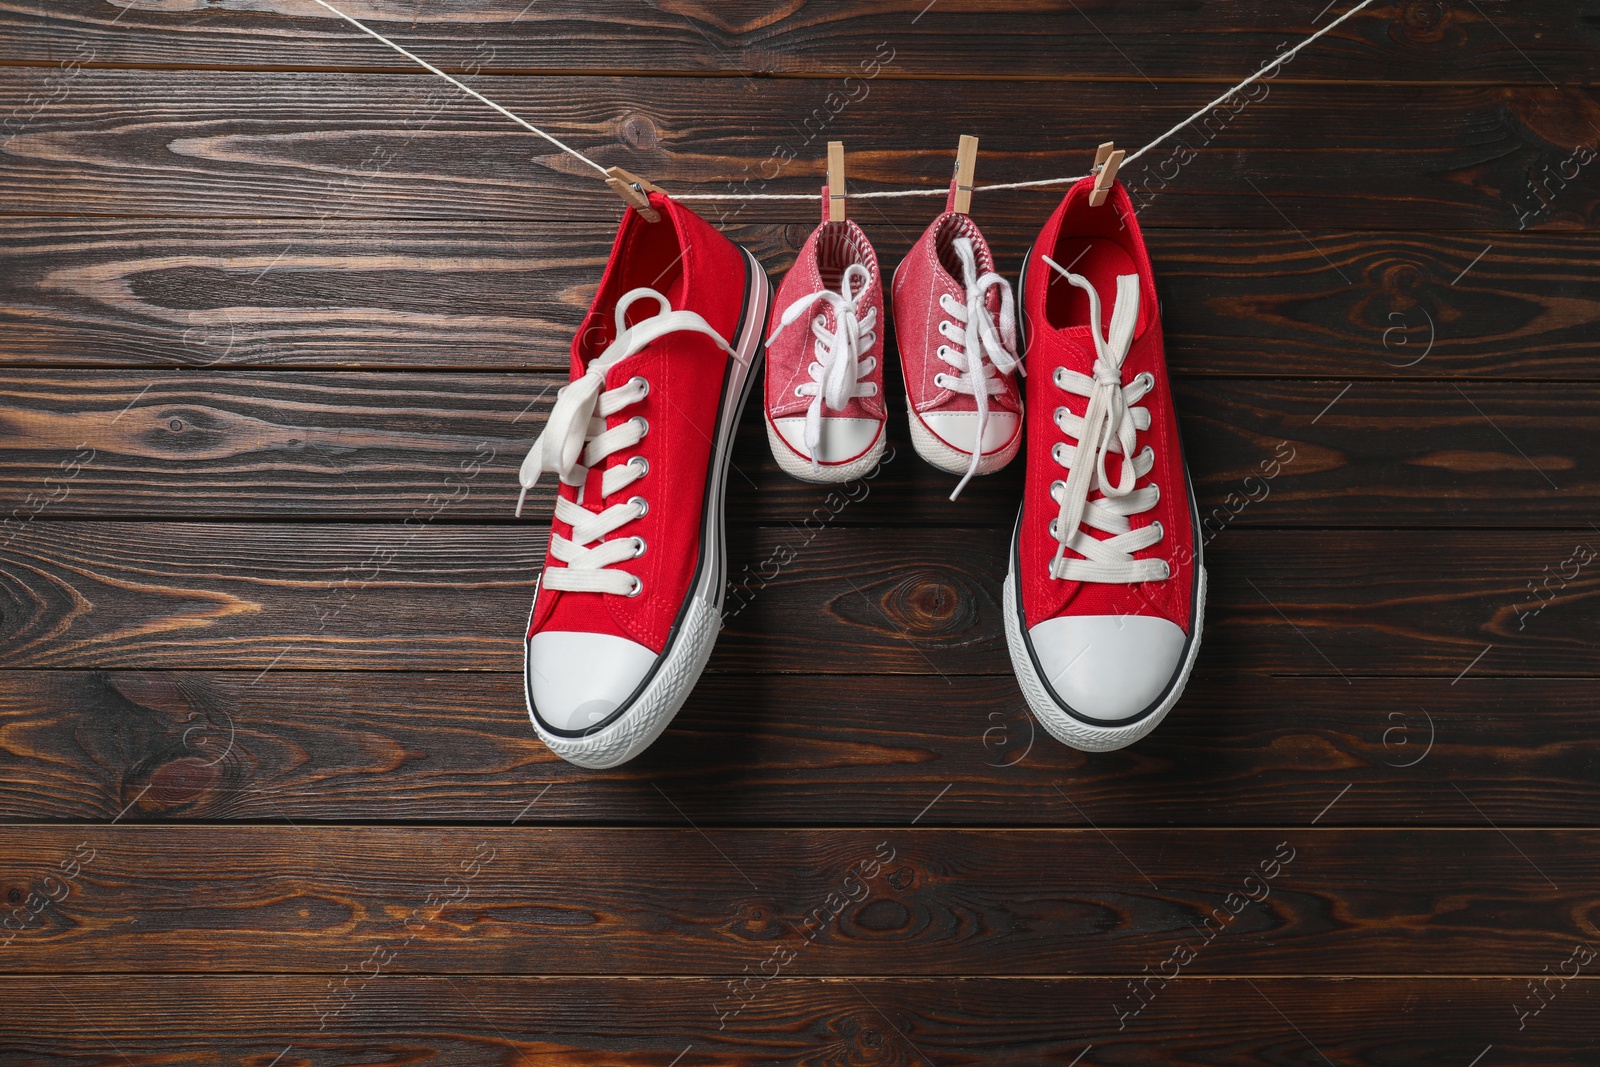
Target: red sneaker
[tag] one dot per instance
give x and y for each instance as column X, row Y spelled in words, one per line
column 825, row 414
column 1106, row 592
column 956, row 331
column 630, row 600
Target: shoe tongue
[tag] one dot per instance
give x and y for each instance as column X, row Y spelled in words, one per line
column 862, row 293
column 1079, row 342
column 619, row 372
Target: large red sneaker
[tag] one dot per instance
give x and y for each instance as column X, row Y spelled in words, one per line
column 1106, row 590
column 629, row 603
column 824, row 395
column 954, row 324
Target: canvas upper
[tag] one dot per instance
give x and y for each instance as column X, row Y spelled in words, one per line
column 953, row 318
column 1099, row 244
column 825, row 355
column 700, row 271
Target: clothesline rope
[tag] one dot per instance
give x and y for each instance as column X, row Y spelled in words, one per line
column 423, row 63
column 884, row 194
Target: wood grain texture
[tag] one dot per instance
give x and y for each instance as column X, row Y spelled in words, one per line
column 748, row 750
column 1411, row 41
column 229, row 444
column 647, row 1022
column 903, row 900
column 87, row 595
column 248, row 144
column 509, row 295
column 279, row 313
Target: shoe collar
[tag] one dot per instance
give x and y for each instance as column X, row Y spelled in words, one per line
column 597, row 328
column 1118, row 207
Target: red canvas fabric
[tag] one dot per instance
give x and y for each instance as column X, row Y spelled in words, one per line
column 697, row 269
column 831, row 247
column 1099, row 243
column 929, row 271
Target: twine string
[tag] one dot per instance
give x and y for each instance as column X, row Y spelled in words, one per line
column 424, row 64
column 884, row 194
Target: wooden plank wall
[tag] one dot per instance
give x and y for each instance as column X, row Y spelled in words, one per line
column 267, row 292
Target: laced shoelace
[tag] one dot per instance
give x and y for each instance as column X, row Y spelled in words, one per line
column 987, row 350
column 575, row 438
column 838, row 369
column 1108, row 425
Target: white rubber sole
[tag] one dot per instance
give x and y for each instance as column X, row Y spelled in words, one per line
column 1057, row 720
column 798, row 467
column 689, row 647
column 952, row 460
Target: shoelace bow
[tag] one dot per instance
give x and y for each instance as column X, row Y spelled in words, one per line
column 1108, row 425
column 575, row 438
column 981, row 339
column 836, row 373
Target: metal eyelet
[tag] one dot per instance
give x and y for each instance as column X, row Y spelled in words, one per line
column 1059, row 377
column 797, row 391
column 644, row 505
column 644, row 424
column 636, row 588
column 638, row 547
column 1056, row 487
column 1160, row 529
column 1166, row 570
column 642, row 383
column 1157, row 488
column 1147, row 379
column 640, row 464
column 1055, row 524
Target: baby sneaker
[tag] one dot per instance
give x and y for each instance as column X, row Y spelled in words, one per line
column 824, row 394
column 1106, row 591
column 629, row 602
column 955, row 327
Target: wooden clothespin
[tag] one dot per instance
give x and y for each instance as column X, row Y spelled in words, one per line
column 966, row 159
column 633, row 190
column 835, row 181
column 1107, row 160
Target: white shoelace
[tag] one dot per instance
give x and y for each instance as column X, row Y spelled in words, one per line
column 836, row 374
column 974, row 329
column 575, row 438
column 1108, row 425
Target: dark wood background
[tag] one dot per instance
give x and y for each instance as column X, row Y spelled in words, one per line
column 267, row 292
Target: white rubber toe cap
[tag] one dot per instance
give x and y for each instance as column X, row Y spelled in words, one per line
column 1108, row 667
column 959, row 429
column 842, row 439
column 578, row 679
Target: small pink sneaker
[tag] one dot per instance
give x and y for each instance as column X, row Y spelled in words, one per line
column 955, row 326
column 824, row 399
